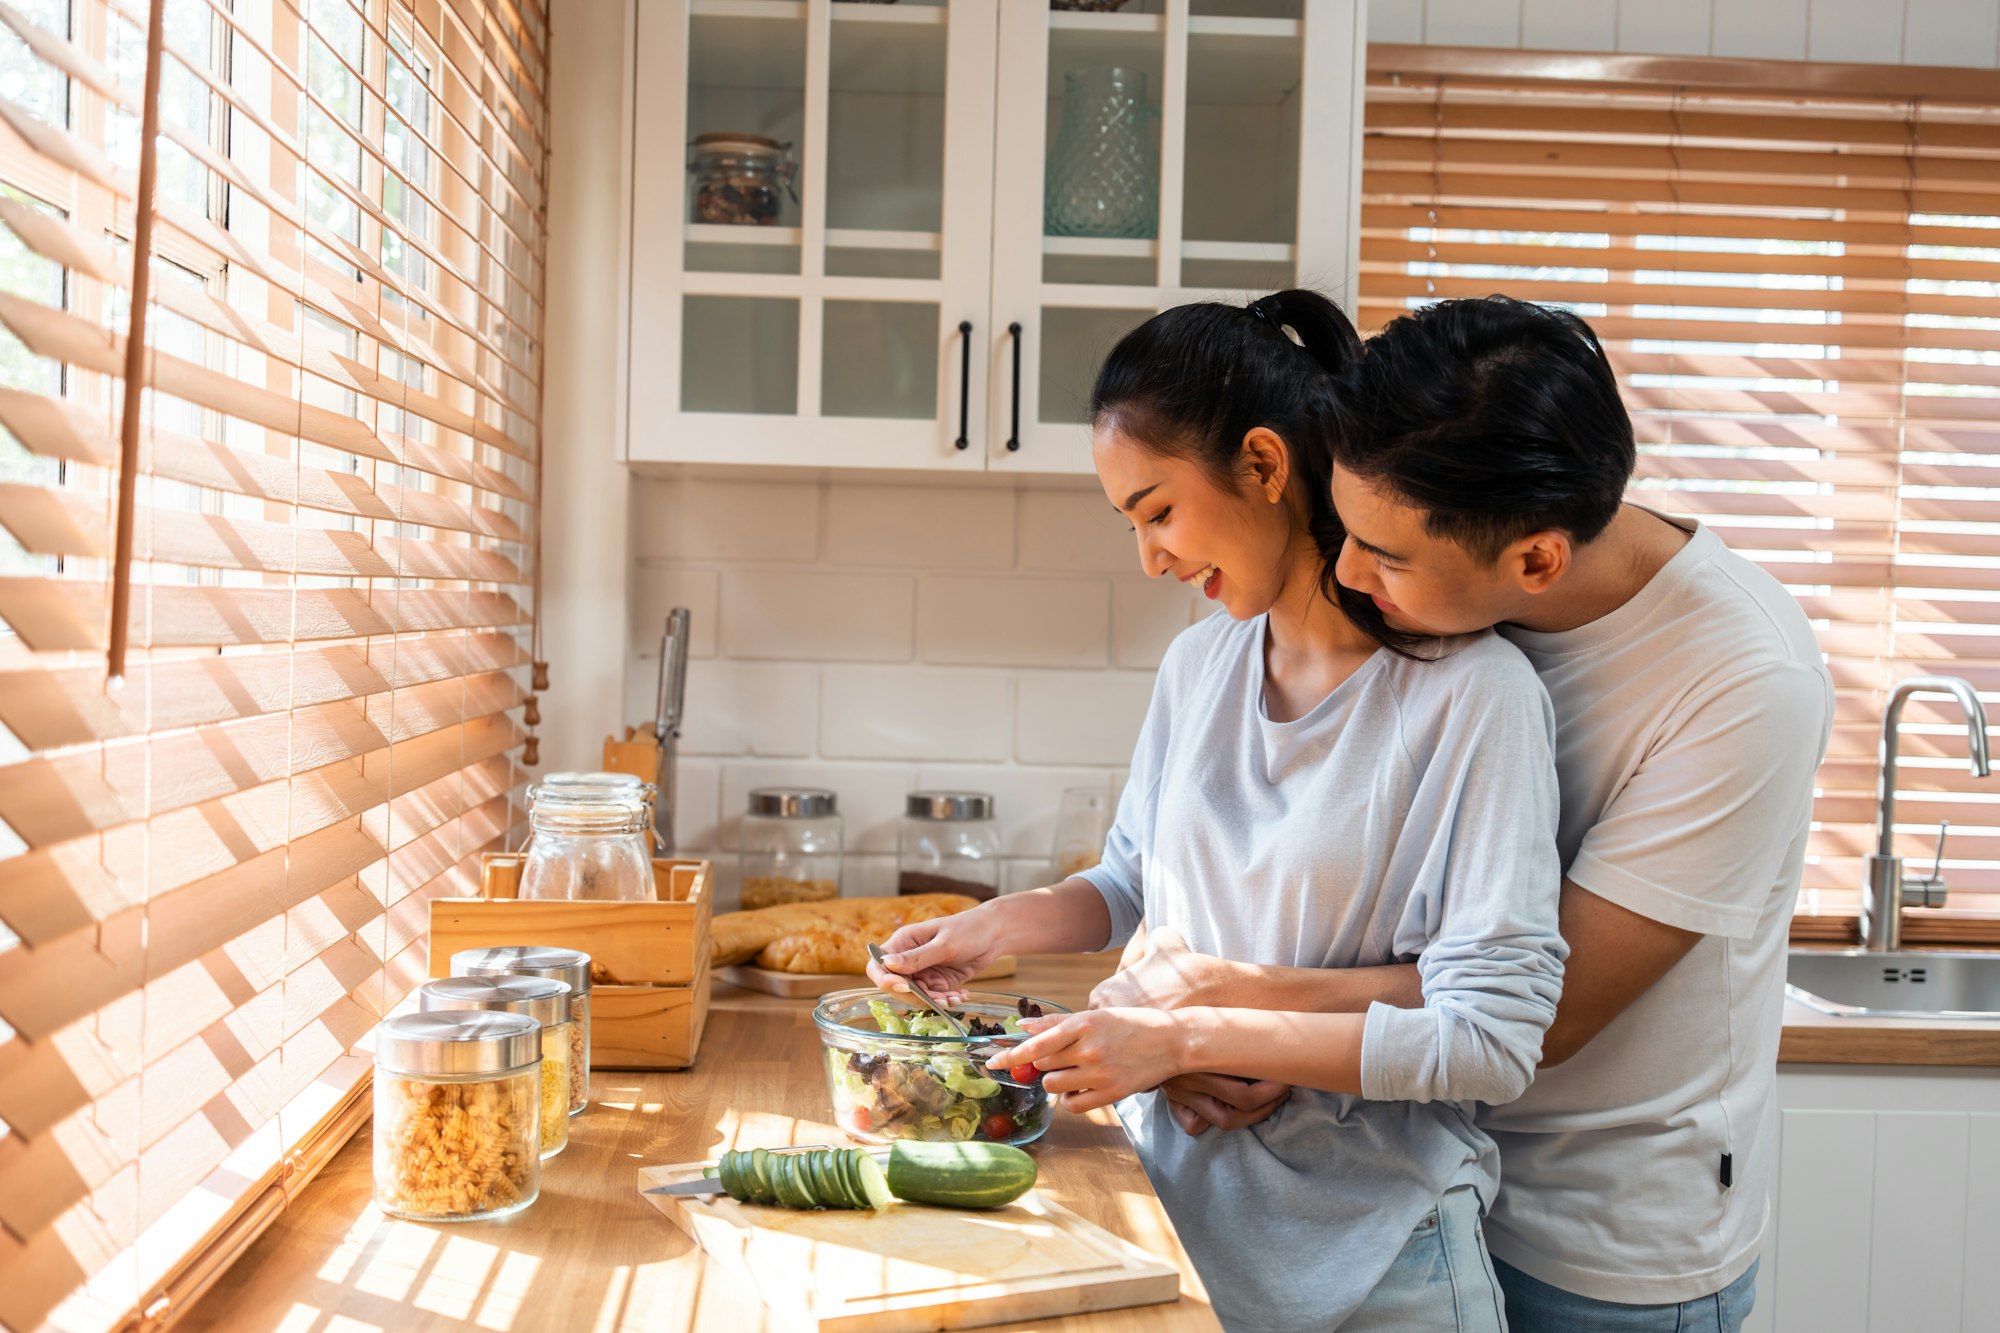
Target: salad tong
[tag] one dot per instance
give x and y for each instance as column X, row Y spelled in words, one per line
column 984, row 1053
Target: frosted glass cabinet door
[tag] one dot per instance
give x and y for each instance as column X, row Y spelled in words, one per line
column 1169, row 151
column 810, row 232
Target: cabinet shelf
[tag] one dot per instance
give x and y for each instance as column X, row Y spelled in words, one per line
column 836, row 237
column 1093, row 247
column 761, row 45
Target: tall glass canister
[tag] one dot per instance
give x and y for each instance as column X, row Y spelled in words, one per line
column 457, row 1115
column 542, row 999
column 566, row 965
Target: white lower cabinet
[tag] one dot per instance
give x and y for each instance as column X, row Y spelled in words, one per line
column 1886, row 1202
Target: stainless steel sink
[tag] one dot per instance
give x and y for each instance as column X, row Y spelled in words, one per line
column 1857, row 983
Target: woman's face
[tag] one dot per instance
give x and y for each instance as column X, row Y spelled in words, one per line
column 1234, row 544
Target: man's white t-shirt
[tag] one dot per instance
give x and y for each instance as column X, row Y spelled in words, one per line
column 1690, row 723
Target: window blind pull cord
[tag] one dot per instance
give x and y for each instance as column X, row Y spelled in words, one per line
column 135, row 356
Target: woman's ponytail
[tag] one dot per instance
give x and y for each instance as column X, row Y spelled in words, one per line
column 1193, row 381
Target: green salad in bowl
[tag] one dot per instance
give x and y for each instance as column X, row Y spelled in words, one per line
column 898, row 1071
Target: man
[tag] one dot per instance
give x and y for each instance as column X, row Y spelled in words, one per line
column 1692, row 709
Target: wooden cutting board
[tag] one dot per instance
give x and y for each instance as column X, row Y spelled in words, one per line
column 911, row 1268
column 812, row 985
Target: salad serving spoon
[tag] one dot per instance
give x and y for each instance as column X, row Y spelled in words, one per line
column 983, row 1054
column 875, row 952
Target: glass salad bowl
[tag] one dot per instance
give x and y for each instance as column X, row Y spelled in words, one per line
column 896, row 1071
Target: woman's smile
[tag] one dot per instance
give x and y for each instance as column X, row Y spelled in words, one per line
column 1208, row 578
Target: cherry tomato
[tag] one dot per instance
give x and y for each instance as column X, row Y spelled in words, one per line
column 999, row 1125
column 857, row 1119
column 1026, row 1073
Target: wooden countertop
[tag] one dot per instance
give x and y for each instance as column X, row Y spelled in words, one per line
column 592, row 1256
column 1811, row 1037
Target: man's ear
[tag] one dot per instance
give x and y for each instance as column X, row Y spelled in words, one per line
column 1537, row 561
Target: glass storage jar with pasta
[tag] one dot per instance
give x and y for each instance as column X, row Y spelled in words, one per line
column 569, row 966
column 540, row 998
column 457, row 1115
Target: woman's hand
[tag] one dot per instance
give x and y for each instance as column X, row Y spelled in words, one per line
column 1094, row 1058
column 940, row 955
column 1199, row 1102
column 1167, row 975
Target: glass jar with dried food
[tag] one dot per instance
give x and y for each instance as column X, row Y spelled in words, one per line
column 589, row 840
column 543, row 999
column 740, row 179
column 457, row 1115
column 1083, row 821
column 948, row 843
column 569, row 966
column 788, row 849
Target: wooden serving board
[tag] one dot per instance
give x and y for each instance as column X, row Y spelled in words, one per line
column 911, row 1268
column 812, row 985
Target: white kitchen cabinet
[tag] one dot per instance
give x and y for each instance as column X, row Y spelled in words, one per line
column 908, row 310
column 1885, row 1203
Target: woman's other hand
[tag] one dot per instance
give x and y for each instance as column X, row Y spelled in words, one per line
column 940, row 955
column 1199, row 1102
column 1094, row 1058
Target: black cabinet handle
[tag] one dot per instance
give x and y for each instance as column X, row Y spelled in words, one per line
column 964, row 440
column 1014, row 435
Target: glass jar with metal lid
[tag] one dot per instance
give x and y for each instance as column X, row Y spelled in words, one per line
column 739, row 179
column 543, row 999
column 948, row 843
column 591, row 839
column 457, row 1115
column 569, row 966
column 788, row 850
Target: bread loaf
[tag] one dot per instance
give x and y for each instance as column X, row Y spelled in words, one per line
column 854, row 922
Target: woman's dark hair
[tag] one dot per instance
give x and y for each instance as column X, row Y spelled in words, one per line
column 1497, row 418
column 1191, row 382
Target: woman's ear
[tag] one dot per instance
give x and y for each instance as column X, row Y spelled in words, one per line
column 1267, row 463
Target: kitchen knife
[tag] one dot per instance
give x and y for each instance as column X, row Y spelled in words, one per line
column 667, row 724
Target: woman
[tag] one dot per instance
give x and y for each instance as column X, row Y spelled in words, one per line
column 1310, row 788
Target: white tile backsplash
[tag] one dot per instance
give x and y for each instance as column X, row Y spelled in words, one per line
column 874, row 638
column 1145, row 617
column 915, row 713
column 920, row 527
column 806, row 616
column 1014, row 621
column 767, row 709
column 1080, row 717
column 1076, row 531
column 657, row 590
column 695, row 518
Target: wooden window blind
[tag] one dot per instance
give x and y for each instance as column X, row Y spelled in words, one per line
column 1797, row 289
column 214, row 878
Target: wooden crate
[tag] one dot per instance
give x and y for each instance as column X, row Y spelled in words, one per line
column 649, row 973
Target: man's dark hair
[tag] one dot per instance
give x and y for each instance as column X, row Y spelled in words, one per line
column 1496, row 418
column 1191, row 382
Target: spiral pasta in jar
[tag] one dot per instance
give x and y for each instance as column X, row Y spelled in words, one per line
column 457, row 1115
column 547, row 1002
column 569, row 966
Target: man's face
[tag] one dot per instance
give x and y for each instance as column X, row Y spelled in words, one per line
column 1422, row 583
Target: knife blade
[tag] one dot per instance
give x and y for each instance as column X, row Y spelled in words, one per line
column 706, row 1185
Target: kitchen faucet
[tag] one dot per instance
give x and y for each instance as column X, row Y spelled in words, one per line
column 1887, row 892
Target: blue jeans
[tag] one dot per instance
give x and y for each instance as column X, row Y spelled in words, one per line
column 1441, row 1281
column 1536, row 1307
